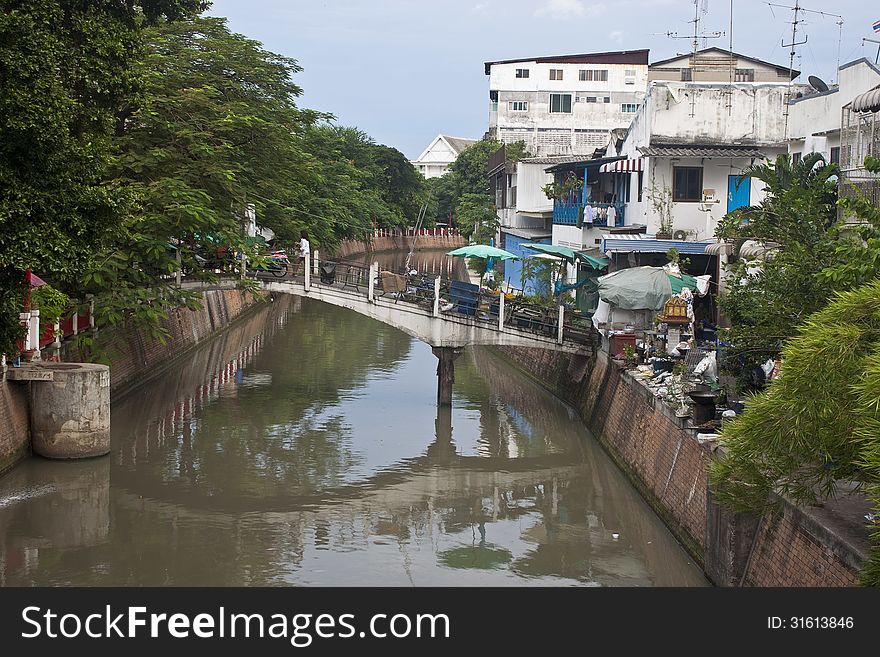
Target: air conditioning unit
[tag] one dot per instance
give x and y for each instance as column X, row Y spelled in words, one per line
column 680, row 235
column 629, row 80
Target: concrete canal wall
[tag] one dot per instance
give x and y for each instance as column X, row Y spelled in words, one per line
column 789, row 546
column 388, row 242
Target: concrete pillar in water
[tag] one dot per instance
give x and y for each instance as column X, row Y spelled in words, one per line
column 445, row 372
column 70, row 415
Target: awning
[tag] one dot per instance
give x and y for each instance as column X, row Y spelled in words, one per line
column 709, row 152
column 868, row 101
column 626, row 166
column 750, row 249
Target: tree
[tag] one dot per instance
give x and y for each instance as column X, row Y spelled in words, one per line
column 766, row 301
column 819, row 423
column 476, row 217
column 66, row 72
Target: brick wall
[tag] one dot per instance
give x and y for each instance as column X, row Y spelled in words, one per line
column 135, row 357
column 14, row 424
column 792, row 547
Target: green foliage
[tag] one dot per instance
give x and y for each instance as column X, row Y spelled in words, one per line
column 562, row 190
column 660, row 199
column 476, row 217
column 818, row 423
column 51, row 302
column 67, row 69
column 857, row 252
column 765, row 302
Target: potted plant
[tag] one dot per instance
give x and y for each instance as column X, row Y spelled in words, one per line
column 630, row 356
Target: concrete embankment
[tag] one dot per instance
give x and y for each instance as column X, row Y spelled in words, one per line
column 788, row 546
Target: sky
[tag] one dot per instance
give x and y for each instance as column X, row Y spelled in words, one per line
column 405, row 70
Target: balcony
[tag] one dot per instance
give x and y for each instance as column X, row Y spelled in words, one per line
column 566, row 213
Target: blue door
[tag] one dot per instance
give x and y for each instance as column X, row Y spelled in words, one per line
column 738, row 197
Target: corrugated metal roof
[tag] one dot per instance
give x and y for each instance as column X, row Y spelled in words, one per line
column 641, row 244
column 528, row 233
column 557, row 159
column 686, row 150
column 584, row 162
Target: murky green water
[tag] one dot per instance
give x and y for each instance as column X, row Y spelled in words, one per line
column 304, row 447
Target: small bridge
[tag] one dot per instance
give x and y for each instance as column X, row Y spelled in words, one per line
column 446, row 314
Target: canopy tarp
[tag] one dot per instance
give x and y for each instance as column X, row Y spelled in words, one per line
column 569, row 254
column 641, row 288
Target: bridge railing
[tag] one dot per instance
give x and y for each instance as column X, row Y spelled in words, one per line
column 446, row 297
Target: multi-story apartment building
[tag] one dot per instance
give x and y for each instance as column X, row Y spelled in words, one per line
column 566, row 104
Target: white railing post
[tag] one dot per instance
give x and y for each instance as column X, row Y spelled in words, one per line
column 501, row 310
column 57, row 342
column 374, row 271
column 35, row 332
column 437, row 297
column 308, row 263
column 74, row 321
column 561, row 318
column 24, row 320
column 315, row 269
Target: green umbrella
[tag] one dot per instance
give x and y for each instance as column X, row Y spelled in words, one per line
column 569, row 254
column 482, row 251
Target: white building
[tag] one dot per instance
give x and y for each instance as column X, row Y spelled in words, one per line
column 718, row 65
column 837, row 123
column 689, row 144
column 565, row 104
column 440, row 153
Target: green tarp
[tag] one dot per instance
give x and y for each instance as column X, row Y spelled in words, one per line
column 642, row 288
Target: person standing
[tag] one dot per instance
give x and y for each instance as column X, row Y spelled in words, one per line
column 304, row 249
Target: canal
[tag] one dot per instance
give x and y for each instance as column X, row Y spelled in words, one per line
column 304, row 447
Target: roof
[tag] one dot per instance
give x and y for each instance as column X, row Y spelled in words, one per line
column 458, row 144
column 585, row 162
column 617, row 57
column 557, row 159
column 867, row 102
column 782, row 69
column 645, row 244
column 528, row 233
column 692, row 150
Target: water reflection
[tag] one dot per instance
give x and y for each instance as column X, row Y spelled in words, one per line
column 305, row 447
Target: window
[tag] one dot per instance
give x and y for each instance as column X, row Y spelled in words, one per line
column 686, row 75
column 641, row 184
column 744, row 75
column 591, row 99
column 607, row 99
column 560, row 103
column 593, row 75
column 835, row 155
column 522, row 72
column 493, row 105
column 555, row 73
column 687, row 184
column 795, row 158
column 630, row 73
column 629, row 77
column 518, row 105
column 629, row 108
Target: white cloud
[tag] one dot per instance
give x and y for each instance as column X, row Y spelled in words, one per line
column 567, row 9
column 480, row 8
column 616, row 35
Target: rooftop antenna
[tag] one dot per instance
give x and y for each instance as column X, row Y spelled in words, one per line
column 878, row 48
column 794, row 43
column 701, row 7
column 729, row 92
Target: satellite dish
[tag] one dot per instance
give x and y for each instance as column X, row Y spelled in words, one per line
column 817, row 83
